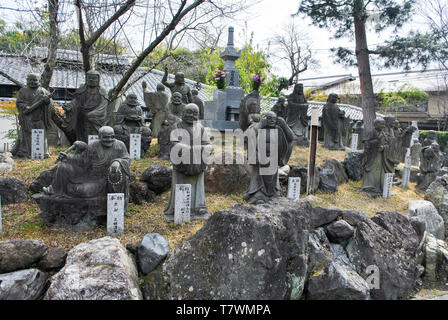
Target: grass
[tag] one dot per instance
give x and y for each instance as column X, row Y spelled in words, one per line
column 23, row 221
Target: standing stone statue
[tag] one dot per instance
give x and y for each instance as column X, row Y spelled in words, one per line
column 416, row 149
column 358, row 128
column 178, row 85
column 157, row 103
column 280, row 108
column 376, row 162
column 297, row 118
column 249, row 106
column 190, row 173
column 430, row 164
column 164, row 137
column 389, row 122
column 88, row 111
column 35, row 106
column 130, row 120
column 264, row 185
column 198, row 101
column 176, row 105
column 431, row 137
column 332, row 124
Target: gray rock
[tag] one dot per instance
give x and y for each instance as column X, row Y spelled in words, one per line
column 22, row 285
column 340, row 231
column 43, row 180
column 323, row 216
column 152, row 250
column 139, row 193
column 436, row 262
column 437, row 193
column 20, row 254
column 6, row 163
column 331, row 276
column 100, row 269
column 419, row 225
column 54, row 259
column 434, row 222
column 389, row 242
column 245, row 252
column 158, row 178
column 12, row 190
column 327, row 181
column 338, row 169
column 353, row 165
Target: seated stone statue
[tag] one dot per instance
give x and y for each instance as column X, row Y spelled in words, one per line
column 264, row 180
column 430, row 164
column 189, row 129
column 130, row 120
column 332, row 124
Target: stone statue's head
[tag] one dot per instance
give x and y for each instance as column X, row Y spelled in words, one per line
column 379, row 124
column 281, row 100
column 269, row 120
column 160, row 87
column 252, row 105
column 32, row 80
column 389, row 121
column 298, row 88
column 131, row 99
column 106, row 135
column 435, row 146
column 333, row 98
column 432, row 135
column 179, row 78
column 190, row 114
column 93, row 78
column 254, row 117
column 194, row 92
column 176, row 98
column 396, row 124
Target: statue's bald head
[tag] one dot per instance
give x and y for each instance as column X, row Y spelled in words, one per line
column 106, row 135
column 270, row 119
column 32, row 80
column 176, row 98
column 190, row 114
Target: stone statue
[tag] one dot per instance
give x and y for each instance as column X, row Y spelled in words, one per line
column 93, row 170
column 35, row 106
column 416, row 149
column 248, row 106
column 190, row 173
column 178, row 85
column 176, row 105
column 389, row 126
column 297, row 118
column 164, row 136
column 358, row 128
column 280, row 108
column 332, row 124
column 263, row 184
column 130, row 120
column 198, row 101
column 376, row 162
column 430, row 164
column 157, row 103
column 431, row 137
column 88, row 111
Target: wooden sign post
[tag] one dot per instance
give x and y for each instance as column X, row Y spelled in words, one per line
column 313, row 148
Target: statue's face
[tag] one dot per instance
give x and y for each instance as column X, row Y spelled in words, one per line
column 107, row 139
column 132, row 100
column 380, row 125
column 32, row 81
column 252, row 104
column 333, row 98
column 270, row 119
column 190, row 114
column 179, row 78
column 389, row 121
column 92, row 80
column 298, row 89
column 176, row 99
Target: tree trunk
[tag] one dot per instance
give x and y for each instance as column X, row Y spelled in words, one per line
column 365, row 76
column 47, row 73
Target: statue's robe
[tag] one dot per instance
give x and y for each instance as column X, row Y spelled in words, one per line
column 157, row 102
column 189, row 173
column 297, row 118
column 264, row 187
column 197, row 101
column 331, row 122
column 176, row 109
column 130, row 116
column 87, row 112
column 430, row 164
column 39, row 118
column 87, row 175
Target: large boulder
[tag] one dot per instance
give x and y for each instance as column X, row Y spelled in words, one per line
column 353, row 165
column 434, row 222
column 338, row 169
column 226, row 178
column 387, row 242
column 151, row 251
column 20, row 254
column 158, row 178
column 436, row 262
column 54, row 259
column 139, row 192
column 340, row 231
column 323, row 216
column 437, row 193
column 22, row 285
column 331, row 276
column 255, row 252
column 100, row 269
column 327, row 181
column 12, row 190
column 43, row 180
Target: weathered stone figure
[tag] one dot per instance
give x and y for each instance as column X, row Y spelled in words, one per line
column 94, row 170
column 358, row 128
column 249, row 106
column 297, row 118
column 88, row 111
column 178, row 85
column 157, row 102
column 431, row 137
column 376, row 162
column 190, row 173
column 263, row 186
column 416, row 150
column 35, row 105
column 198, row 101
column 332, row 124
column 176, row 105
column 164, row 136
column 280, row 108
column 431, row 162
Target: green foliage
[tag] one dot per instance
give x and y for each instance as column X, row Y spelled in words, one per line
column 318, row 96
column 405, row 95
column 442, row 137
